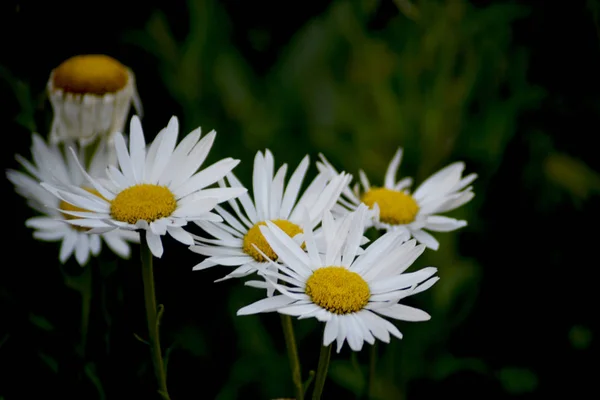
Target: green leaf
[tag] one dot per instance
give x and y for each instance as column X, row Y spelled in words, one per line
column 518, row 380
column 448, row 365
column 572, row 175
column 49, row 361
column 90, row 372
column 580, row 337
column 41, row 322
column 347, row 375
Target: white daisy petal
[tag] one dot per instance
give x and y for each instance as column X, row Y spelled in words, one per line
column 44, row 223
column 155, row 244
column 95, row 244
column 130, row 198
column 285, row 247
column 124, row 159
column 293, row 188
column 390, row 174
column 206, row 177
column 404, row 313
column 187, row 157
column 364, row 180
column 346, row 301
column 82, row 249
column 276, row 195
column 244, row 199
column 67, row 247
column 456, row 201
column 164, row 152
column 239, row 272
column 426, row 239
column 373, row 323
column 331, row 331
column 443, row 191
column 266, row 305
column 137, row 144
column 118, row 245
column 50, row 236
column 402, row 281
column 439, row 223
column 441, row 181
column 299, row 309
column 181, row 235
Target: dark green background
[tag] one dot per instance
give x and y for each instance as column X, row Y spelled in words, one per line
column 511, row 88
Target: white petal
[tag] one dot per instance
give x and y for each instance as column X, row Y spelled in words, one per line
column 95, row 244
column 67, row 247
column 44, row 223
column 155, row 244
column 299, row 309
column 82, row 249
column 390, row 174
column 425, row 238
column 441, row 182
column 197, row 207
column 402, row 281
column 266, row 305
column 293, row 188
column 181, row 235
column 117, row 244
column 125, row 162
column 286, row 249
column 164, row 152
column 206, row 177
column 331, row 330
column 404, row 313
column 276, row 195
column 375, row 326
column 244, row 199
column 137, row 146
column 439, row 223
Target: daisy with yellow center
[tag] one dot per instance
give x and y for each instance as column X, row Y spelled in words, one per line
column 91, row 96
column 349, row 292
column 51, row 165
column 156, row 190
column 394, row 207
column 238, row 241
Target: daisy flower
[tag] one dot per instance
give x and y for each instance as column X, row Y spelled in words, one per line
column 350, row 294
column 238, row 241
column 396, row 208
column 155, row 190
column 91, row 96
column 50, row 164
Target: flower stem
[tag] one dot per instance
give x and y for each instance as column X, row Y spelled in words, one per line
column 372, row 363
column 324, row 357
column 292, row 351
column 152, row 317
column 86, row 301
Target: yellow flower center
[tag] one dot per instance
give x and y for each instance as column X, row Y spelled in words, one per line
column 94, row 73
column 338, row 290
column 70, row 207
column 255, row 237
column 143, row 201
column 395, row 207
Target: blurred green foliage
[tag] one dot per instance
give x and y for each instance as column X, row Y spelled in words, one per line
column 442, row 80
column 445, row 84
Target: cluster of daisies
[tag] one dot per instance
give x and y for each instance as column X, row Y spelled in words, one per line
column 304, row 242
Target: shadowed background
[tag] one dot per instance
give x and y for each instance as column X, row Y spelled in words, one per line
column 512, row 90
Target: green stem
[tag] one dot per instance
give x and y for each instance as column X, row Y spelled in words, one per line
column 292, row 351
column 324, row 357
column 152, row 316
column 372, row 363
column 86, row 302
